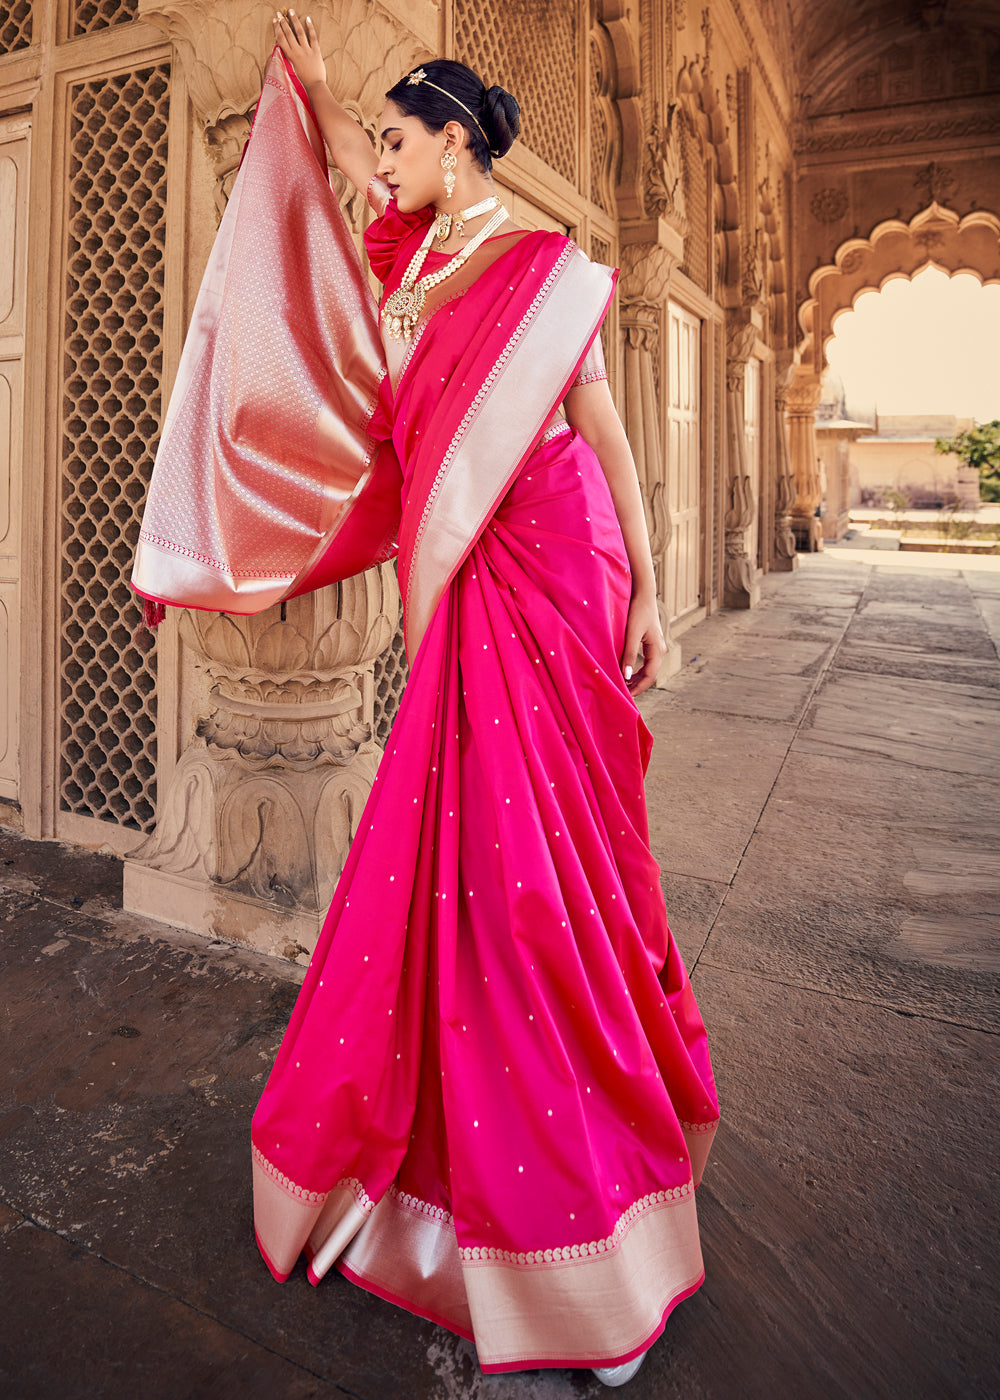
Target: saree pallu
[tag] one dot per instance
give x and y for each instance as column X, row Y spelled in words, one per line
column 275, row 472
column 494, row 1098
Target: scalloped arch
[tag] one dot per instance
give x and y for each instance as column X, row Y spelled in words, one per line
column 936, row 237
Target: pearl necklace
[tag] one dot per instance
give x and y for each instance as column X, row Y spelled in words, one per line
column 444, row 221
column 402, row 309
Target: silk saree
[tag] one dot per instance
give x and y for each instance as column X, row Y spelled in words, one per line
column 494, row 1099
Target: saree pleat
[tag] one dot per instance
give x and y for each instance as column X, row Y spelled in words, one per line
column 496, row 1040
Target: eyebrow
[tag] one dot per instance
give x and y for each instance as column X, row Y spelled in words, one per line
column 388, row 130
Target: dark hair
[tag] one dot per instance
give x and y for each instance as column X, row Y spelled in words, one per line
column 458, row 95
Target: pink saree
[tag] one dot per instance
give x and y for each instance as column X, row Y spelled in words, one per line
column 494, row 1098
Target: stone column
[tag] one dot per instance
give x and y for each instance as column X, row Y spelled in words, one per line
column 803, row 396
column 255, row 824
column 255, row 821
column 740, row 586
column 640, row 323
column 786, row 560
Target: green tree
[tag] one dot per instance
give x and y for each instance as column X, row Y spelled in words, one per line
column 977, row 447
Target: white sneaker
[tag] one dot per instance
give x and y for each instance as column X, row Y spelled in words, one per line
column 618, row 1375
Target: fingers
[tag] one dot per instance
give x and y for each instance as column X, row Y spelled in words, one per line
column 653, row 651
column 287, row 22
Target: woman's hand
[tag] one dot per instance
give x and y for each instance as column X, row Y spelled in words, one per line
column 300, row 45
column 644, row 634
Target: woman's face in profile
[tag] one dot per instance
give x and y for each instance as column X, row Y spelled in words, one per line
column 411, row 159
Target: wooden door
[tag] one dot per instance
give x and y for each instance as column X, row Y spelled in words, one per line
column 684, row 557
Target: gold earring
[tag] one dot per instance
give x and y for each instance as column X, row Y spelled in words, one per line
column 448, row 162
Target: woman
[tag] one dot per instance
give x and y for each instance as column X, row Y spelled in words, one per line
column 494, row 1098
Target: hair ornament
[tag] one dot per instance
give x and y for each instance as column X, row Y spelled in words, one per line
column 419, row 76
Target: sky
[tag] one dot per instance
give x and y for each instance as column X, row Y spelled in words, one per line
column 931, row 345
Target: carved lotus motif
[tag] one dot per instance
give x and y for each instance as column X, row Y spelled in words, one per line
column 309, row 644
column 222, row 49
column 282, row 647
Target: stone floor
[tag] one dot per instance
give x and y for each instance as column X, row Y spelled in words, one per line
column 823, row 798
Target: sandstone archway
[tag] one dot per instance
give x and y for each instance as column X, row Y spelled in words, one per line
column 936, row 237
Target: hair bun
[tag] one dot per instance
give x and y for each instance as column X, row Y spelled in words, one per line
column 503, row 119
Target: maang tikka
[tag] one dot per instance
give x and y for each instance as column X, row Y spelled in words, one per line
column 448, row 162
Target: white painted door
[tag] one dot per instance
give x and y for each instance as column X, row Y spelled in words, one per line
column 14, row 134
column 684, row 557
column 751, row 427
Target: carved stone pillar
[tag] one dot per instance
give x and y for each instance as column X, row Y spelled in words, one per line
column 803, row 396
column 254, row 827
column 222, row 49
column 254, row 824
column 740, row 586
column 786, row 560
column 647, row 271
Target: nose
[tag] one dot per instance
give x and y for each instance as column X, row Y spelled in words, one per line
column 384, row 166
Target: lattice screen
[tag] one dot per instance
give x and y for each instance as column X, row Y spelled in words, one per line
column 90, row 15
column 110, row 416
column 391, row 672
column 15, row 26
column 528, row 46
column 696, row 245
column 599, row 135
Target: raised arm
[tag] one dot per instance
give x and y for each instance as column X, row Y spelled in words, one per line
column 347, row 142
column 591, row 411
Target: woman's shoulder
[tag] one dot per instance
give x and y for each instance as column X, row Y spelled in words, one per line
column 389, row 229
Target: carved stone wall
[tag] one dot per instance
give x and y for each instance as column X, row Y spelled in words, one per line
column 532, row 50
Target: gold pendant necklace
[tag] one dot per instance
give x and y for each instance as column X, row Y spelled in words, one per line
column 402, row 309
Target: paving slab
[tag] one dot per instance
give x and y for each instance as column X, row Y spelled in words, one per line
column 693, row 905
column 834, row 871
column 708, row 779
column 989, row 611
column 745, row 679
column 958, row 634
column 964, row 941
column 983, row 584
column 868, row 1165
column 882, row 658
column 96, row 1331
column 953, row 727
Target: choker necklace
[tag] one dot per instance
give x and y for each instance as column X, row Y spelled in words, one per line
column 402, row 309
column 444, row 221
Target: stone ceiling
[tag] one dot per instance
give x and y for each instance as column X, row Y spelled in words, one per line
column 857, row 55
